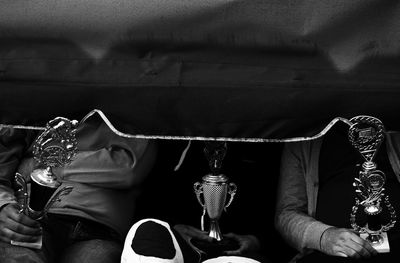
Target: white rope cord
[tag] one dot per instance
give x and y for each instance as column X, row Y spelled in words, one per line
column 22, row 127
column 198, row 138
column 183, row 156
column 201, row 138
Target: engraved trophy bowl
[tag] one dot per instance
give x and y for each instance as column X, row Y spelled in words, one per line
column 366, row 135
column 54, row 147
column 212, row 194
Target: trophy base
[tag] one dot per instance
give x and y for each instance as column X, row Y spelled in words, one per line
column 35, row 245
column 382, row 246
column 215, row 248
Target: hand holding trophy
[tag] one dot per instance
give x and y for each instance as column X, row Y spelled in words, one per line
column 214, row 188
column 366, row 134
column 55, row 147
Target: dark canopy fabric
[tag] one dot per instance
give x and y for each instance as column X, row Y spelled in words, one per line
column 240, row 69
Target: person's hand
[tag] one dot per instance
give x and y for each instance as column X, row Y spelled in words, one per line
column 247, row 243
column 189, row 232
column 344, row 242
column 17, row 226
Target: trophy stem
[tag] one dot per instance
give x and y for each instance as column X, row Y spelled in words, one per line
column 215, row 232
column 375, row 239
column 45, row 177
column 39, row 196
column 44, row 184
column 374, row 222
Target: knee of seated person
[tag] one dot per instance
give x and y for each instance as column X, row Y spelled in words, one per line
column 151, row 240
column 16, row 254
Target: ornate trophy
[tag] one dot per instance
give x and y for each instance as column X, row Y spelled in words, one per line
column 214, row 188
column 366, row 134
column 55, row 147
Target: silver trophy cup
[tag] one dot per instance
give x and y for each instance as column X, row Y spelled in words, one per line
column 214, row 189
column 55, row 147
column 212, row 194
column 366, row 134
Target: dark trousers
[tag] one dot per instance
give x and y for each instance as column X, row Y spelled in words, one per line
column 68, row 239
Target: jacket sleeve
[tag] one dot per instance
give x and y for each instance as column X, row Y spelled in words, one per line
column 12, row 146
column 292, row 221
column 120, row 165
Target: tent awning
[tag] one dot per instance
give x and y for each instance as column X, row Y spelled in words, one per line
column 238, row 69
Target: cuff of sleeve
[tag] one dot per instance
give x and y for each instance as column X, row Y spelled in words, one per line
column 313, row 233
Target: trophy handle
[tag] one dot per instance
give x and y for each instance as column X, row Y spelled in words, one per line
column 231, row 191
column 22, row 190
column 392, row 213
column 353, row 222
column 198, row 189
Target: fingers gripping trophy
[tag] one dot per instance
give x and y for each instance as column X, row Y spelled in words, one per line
column 366, row 134
column 212, row 193
column 55, row 147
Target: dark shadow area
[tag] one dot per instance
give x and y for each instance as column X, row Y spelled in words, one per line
column 253, row 167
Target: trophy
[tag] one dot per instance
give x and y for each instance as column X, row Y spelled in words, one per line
column 55, row 147
column 366, row 134
column 214, row 188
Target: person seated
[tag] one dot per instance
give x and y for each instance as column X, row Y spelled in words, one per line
column 316, row 195
column 90, row 223
column 169, row 206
